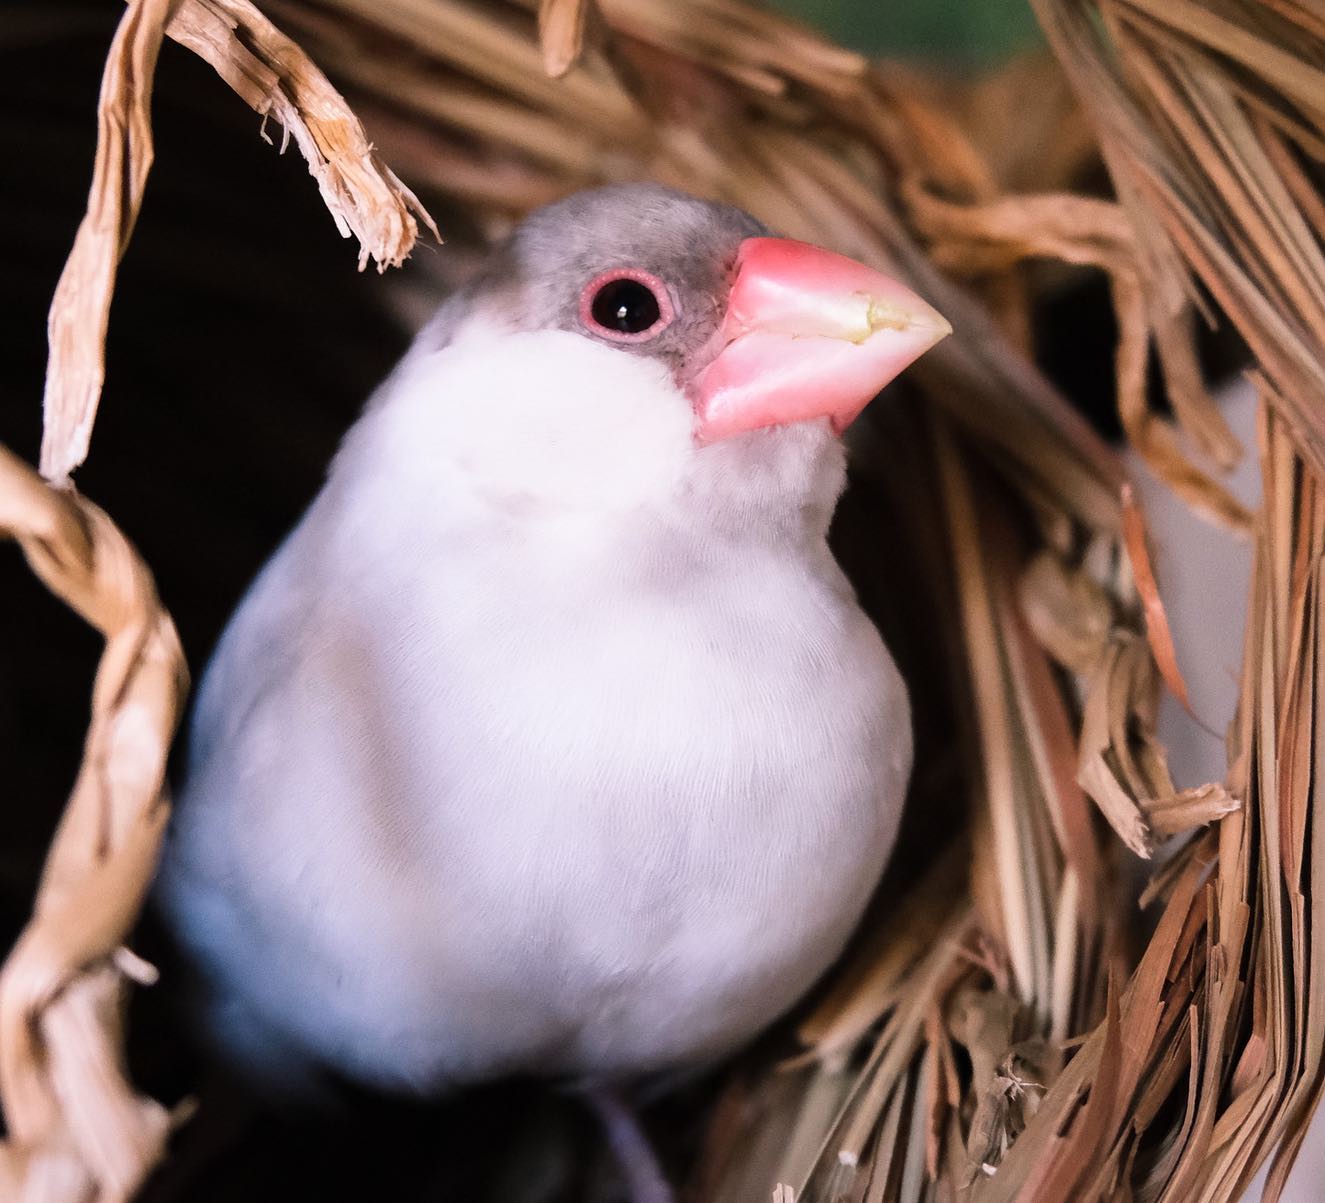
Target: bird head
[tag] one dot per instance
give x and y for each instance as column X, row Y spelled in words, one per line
column 632, row 343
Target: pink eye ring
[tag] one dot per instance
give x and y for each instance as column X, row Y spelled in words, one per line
column 627, row 305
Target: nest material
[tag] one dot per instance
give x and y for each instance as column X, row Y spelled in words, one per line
column 996, row 1037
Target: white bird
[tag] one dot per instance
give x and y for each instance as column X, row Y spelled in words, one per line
column 553, row 740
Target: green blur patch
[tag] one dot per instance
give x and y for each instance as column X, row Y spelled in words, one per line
column 946, row 32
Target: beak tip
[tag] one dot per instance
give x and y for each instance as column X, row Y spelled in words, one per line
column 909, row 313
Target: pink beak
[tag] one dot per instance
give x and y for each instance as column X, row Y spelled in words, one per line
column 808, row 334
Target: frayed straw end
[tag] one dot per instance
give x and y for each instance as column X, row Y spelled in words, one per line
column 561, row 34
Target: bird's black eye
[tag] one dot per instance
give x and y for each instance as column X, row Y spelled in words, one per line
column 626, row 305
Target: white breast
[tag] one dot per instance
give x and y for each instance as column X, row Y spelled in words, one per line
column 530, row 804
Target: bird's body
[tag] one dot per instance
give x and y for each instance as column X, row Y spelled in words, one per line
column 552, row 740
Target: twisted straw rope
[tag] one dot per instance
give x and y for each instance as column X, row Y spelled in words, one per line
column 76, row 1129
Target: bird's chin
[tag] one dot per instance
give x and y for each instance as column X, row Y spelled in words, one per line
column 808, row 440
column 775, row 477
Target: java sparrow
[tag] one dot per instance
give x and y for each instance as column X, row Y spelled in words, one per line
column 553, row 739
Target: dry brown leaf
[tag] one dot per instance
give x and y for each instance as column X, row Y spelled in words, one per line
column 1157, row 622
column 1189, row 808
column 1069, row 613
column 1106, row 733
column 996, row 235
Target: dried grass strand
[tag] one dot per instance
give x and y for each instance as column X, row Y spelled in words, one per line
column 561, row 33
column 80, row 308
